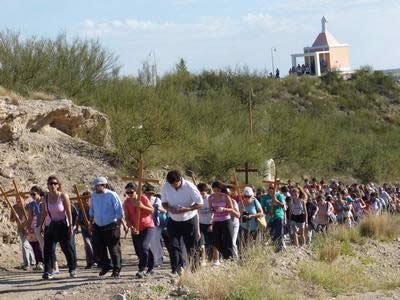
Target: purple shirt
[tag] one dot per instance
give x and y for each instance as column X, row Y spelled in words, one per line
column 219, row 201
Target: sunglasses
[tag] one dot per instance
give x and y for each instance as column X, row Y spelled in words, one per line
column 53, row 183
column 246, row 196
column 33, row 194
column 129, row 193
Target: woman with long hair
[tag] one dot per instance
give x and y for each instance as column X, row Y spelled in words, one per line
column 57, row 207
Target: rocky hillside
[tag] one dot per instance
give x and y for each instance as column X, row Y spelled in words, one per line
column 41, row 138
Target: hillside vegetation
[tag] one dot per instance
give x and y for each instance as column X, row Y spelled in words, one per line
column 311, row 126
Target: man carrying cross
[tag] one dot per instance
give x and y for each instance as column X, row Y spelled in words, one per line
column 181, row 199
column 106, row 212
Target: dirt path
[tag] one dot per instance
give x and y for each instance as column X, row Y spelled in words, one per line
column 28, row 285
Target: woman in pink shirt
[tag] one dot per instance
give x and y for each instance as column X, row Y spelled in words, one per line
column 57, row 207
column 143, row 235
column 222, row 229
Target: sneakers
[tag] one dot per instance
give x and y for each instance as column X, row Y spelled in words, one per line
column 73, row 274
column 88, row 266
column 25, row 268
column 216, row 263
column 140, row 275
column 39, row 267
column 47, row 276
column 150, row 272
column 105, row 270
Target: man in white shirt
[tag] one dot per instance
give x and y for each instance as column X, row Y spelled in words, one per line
column 181, row 199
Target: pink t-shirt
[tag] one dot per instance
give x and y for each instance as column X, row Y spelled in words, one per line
column 56, row 210
column 146, row 218
column 219, row 201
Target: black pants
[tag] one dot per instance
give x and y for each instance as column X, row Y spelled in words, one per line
column 57, row 232
column 167, row 243
column 222, row 238
column 206, row 239
column 182, row 230
column 108, row 238
column 141, row 243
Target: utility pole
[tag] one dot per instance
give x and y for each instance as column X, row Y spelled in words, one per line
column 251, row 113
column 273, row 49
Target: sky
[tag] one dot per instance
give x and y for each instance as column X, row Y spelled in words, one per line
column 214, row 34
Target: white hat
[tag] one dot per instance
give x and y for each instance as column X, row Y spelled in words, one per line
column 100, row 180
column 248, row 191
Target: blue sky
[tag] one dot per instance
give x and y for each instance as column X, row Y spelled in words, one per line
column 212, row 34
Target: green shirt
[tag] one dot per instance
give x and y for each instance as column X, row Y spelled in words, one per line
column 279, row 212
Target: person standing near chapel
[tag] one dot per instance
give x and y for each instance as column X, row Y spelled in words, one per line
column 106, row 213
column 181, row 199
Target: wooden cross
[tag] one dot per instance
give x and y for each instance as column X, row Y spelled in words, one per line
column 80, row 202
column 140, row 179
column 247, row 170
column 11, row 206
column 19, row 196
column 237, row 188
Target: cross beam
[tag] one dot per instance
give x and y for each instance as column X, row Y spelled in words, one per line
column 236, row 185
column 19, row 196
column 247, row 170
column 80, row 202
column 11, row 206
column 140, row 179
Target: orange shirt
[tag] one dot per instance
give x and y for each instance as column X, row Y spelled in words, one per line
column 146, row 217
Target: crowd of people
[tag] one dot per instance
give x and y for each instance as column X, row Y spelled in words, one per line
column 195, row 224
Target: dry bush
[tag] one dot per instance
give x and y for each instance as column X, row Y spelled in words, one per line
column 383, row 228
column 329, row 253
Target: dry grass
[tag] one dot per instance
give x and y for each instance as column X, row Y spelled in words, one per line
column 340, row 277
column 15, row 98
column 250, row 279
column 381, row 228
column 41, row 96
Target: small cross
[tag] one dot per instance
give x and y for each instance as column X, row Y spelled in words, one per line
column 247, row 170
column 140, row 179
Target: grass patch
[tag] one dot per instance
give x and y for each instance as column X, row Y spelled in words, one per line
column 336, row 278
column 249, row 279
column 367, row 260
column 382, row 228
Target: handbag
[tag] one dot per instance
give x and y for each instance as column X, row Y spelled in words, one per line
column 262, row 224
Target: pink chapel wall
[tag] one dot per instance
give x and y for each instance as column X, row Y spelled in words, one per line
column 339, row 58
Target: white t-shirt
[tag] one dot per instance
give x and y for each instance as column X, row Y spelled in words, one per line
column 205, row 215
column 185, row 196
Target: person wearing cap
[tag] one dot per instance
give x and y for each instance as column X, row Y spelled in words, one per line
column 251, row 210
column 106, row 214
column 160, row 221
column 142, row 236
column 181, row 199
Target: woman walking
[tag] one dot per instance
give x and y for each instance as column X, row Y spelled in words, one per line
column 58, row 207
column 220, row 205
column 143, row 235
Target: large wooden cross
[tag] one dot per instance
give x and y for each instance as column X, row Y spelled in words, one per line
column 19, row 196
column 4, row 194
column 80, row 202
column 237, row 187
column 247, row 170
column 140, row 179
